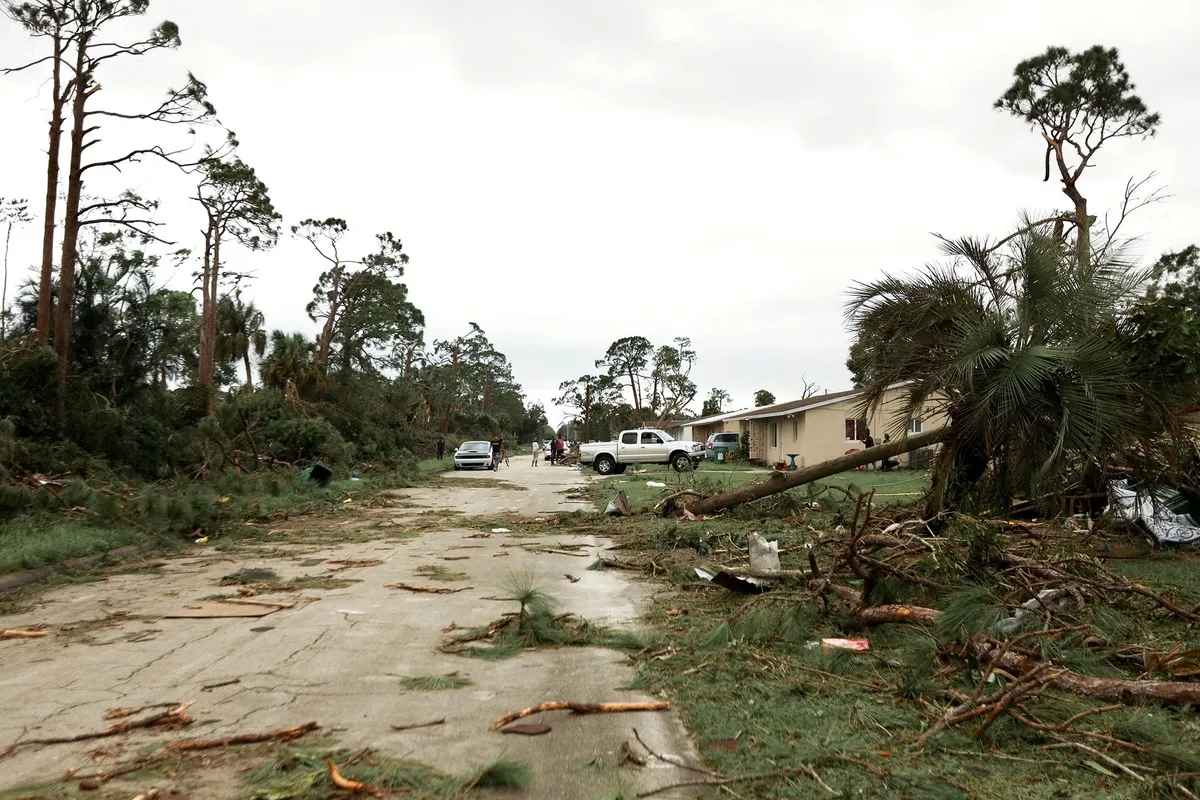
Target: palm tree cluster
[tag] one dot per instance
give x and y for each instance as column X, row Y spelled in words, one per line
column 1033, row 358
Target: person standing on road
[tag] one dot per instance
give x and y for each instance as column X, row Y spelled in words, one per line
column 562, row 447
column 441, row 448
column 537, row 451
column 497, row 448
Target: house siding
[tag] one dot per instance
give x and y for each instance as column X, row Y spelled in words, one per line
column 819, row 434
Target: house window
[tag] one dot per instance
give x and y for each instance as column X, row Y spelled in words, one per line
column 774, row 434
column 915, row 425
column 856, row 430
column 795, row 429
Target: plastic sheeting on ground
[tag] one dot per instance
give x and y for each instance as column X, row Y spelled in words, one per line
column 1166, row 526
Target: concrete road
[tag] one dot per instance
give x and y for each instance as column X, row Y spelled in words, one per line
column 338, row 656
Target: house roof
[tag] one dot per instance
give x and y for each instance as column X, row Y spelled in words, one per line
column 816, row 401
column 716, row 417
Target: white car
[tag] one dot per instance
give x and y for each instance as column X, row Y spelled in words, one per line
column 473, row 455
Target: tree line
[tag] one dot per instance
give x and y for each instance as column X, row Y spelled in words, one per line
column 102, row 366
column 639, row 384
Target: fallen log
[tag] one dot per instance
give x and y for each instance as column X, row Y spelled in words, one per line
column 989, row 651
column 281, row 735
column 782, row 481
column 580, row 708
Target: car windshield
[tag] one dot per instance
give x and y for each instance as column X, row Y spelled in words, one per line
column 475, row 447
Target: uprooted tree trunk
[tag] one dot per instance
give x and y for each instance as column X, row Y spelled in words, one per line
column 989, row 651
column 782, row 481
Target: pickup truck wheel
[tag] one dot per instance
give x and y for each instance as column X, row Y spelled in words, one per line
column 606, row 465
column 682, row 462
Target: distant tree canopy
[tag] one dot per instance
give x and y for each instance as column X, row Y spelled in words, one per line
column 105, row 370
column 763, row 398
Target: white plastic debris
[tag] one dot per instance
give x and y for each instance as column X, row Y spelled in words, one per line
column 500, row 530
column 656, row 484
column 1054, row 601
column 1166, row 526
column 763, row 554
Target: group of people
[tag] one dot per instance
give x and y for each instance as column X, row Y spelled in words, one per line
column 887, row 464
column 557, row 447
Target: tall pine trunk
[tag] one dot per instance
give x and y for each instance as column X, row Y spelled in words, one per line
column 45, row 309
column 246, row 361
column 65, row 317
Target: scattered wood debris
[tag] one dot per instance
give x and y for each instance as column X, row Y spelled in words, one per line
column 173, row 717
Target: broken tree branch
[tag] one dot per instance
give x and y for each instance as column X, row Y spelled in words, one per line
column 426, row 589
column 580, row 708
column 172, row 717
column 281, row 735
column 984, row 650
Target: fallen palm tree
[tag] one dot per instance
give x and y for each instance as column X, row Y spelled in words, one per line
column 782, row 481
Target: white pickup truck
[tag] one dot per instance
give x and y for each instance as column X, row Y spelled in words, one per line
column 641, row 446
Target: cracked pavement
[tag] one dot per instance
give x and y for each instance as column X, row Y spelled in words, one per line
column 338, row 656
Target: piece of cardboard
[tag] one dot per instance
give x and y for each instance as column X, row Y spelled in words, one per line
column 213, row 609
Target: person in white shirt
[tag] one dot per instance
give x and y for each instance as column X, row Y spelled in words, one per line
column 537, row 451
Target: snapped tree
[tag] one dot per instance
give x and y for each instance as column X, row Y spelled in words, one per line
column 78, row 52
column 48, row 20
column 715, row 402
column 12, row 213
column 1077, row 102
column 237, row 206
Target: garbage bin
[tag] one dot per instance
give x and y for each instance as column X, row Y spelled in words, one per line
column 720, row 454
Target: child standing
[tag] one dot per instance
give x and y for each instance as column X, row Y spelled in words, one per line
column 537, row 451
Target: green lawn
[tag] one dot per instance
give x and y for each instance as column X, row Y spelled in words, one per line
column 432, row 466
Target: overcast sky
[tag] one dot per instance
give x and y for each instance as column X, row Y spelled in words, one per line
column 565, row 173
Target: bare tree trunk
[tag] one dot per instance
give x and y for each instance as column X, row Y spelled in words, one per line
column 637, row 399
column 782, row 481
column 249, row 377
column 335, row 296
column 64, row 320
column 587, row 412
column 208, row 309
column 4, row 290
column 1083, row 223
column 46, row 280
